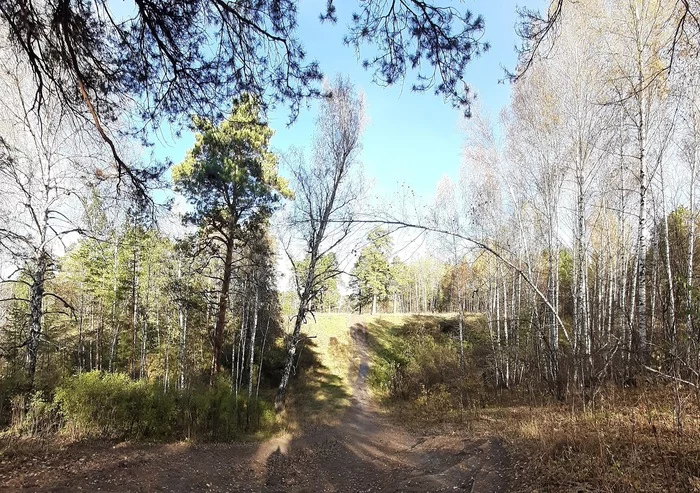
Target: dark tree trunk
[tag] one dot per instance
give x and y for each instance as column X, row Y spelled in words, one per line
column 36, row 296
column 223, row 303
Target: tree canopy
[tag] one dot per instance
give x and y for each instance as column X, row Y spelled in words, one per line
column 230, row 176
column 160, row 60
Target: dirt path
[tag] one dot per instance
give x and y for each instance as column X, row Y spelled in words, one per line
column 364, row 453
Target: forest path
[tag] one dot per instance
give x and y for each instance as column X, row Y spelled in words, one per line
column 364, row 452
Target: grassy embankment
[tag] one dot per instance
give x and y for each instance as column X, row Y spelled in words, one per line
column 628, row 442
column 321, row 390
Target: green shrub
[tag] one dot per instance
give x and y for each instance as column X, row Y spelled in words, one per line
column 114, row 406
column 417, row 364
column 215, row 413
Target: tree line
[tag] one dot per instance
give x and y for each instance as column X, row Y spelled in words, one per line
column 582, row 195
column 91, row 281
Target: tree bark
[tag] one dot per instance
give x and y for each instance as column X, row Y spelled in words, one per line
column 36, row 297
column 222, row 307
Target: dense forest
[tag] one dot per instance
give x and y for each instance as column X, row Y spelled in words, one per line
column 135, row 286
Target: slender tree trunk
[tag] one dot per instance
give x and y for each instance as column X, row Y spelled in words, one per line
column 100, row 332
column 96, row 336
column 506, row 335
column 81, row 339
column 461, row 329
column 166, row 378
column 289, row 361
column 182, row 318
column 304, row 300
column 134, row 315
column 691, row 251
column 115, row 322
column 669, row 274
column 490, row 322
column 251, row 351
column 642, row 241
column 240, row 367
column 144, row 326
column 553, row 328
column 262, row 353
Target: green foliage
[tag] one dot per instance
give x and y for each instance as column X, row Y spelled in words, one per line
column 230, row 175
column 325, row 280
column 216, row 414
column 114, row 406
column 400, row 276
column 372, row 274
column 416, row 361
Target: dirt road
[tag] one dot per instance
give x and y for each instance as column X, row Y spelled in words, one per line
column 365, row 452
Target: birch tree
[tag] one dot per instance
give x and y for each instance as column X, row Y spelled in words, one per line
column 45, row 165
column 326, row 191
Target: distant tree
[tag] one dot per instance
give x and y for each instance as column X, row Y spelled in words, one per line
column 230, row 179
column 400, row 284
column 327, row 270
column 371, row 276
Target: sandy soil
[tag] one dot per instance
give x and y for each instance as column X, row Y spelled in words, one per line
column 365, row 452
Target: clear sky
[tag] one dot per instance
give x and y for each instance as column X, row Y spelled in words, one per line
column 411, row 138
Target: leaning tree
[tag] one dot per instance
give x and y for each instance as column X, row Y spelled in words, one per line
column 326, row 191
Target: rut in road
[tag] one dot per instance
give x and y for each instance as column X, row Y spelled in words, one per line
column 364, row 452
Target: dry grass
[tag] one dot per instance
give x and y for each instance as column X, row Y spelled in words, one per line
column 630, row 443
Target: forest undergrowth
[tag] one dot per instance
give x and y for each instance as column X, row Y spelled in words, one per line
column 642, row 438
column 113, row 406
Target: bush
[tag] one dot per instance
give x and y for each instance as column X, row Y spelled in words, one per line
column 417, row 366
column 34, row 415
column 114, row 406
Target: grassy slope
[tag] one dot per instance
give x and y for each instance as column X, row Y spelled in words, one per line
column 629, row 442
column 322, row 392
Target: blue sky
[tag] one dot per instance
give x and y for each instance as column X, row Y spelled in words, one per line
column 411, row 138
